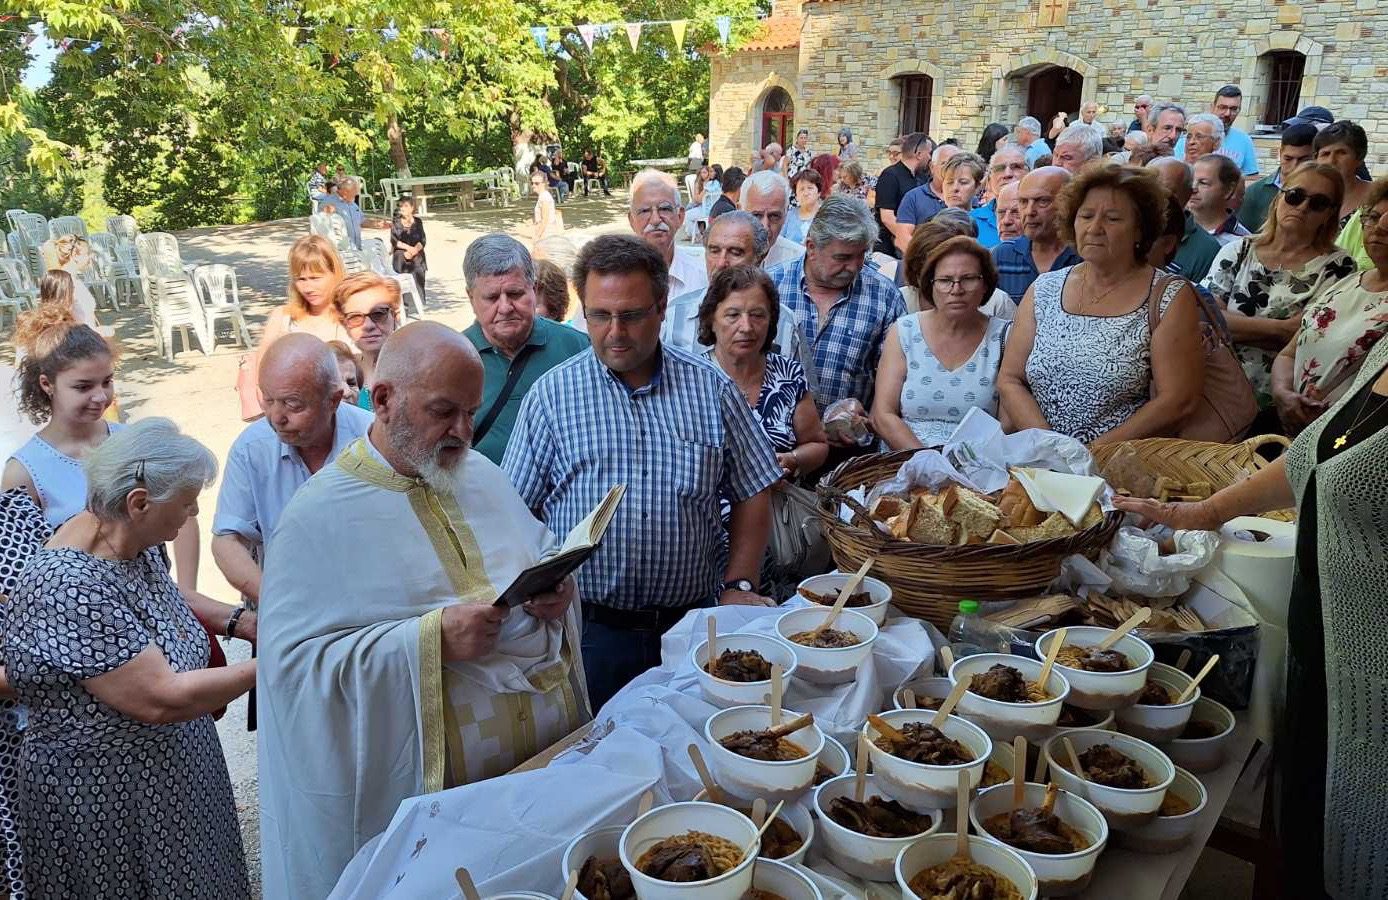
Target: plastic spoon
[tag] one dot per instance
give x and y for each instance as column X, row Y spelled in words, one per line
column 1195, row 682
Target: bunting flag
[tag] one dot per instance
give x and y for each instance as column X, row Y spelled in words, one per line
column 290, row 34
column 541, row 35
column 587, row 32
column 725, row 28
column 633, row 34
column 678, row 26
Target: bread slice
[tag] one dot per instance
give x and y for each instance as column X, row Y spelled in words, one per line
column 974, row 514
column 887, row 506
column 1055, row 526
column 1002, row 537
column 927, row 523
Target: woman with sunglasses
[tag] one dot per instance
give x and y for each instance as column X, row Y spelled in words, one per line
column 1265, row 281
column 369, row 305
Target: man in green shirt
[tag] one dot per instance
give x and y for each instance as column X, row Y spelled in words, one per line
column 1294, row 150
column 516, row 346
column 1198, row 248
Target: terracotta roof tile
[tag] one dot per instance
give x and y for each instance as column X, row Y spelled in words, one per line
column 777, row 33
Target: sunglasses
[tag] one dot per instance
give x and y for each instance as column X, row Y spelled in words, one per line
column 380, row 315
column 1314, row 202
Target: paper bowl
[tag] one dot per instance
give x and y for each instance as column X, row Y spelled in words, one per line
column 784, row 881
column 827, row 666
column 833, row 582
column 736, row 693
column 861, row 855
column 937, row 688
column 748, row 779
column 1204, row 754
column 835, row 758
column 1104, row 720
column 922, row 787
column 603, row 843
column 939, row 848
column 1160, row 723
column 1122, row 807
column 1102, row 690
column 1059, row 875
column 676, row 819
column 797, row 815
column 1167, row 834
column 1004, row 721
column 1000, row 757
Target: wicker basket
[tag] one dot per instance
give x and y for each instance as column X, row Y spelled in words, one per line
column 1190, row 461
column 928, row 581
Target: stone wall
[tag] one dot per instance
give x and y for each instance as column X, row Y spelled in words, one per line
column 980, row 55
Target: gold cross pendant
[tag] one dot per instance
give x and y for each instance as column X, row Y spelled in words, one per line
column 1341, row 441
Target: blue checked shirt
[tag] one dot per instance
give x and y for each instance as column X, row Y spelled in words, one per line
column 848, row 344
column 677, row 443
column 1017, row 270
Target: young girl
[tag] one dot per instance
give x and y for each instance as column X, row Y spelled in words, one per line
column 314, row 272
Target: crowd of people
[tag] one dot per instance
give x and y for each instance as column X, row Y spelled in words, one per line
column 1099, row 286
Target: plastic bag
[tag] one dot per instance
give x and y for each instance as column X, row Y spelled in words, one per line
column 980, row 450
column 1137, row 565
column 846, row 422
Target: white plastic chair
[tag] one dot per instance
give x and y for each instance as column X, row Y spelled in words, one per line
column 221, row 299
column 114, row 268
column 32, row 228
column 690, row 179
column 332, row 227
column 13, row 304
column 16, row 283
column 67, row 225
column 374, row 249
column 172, row 299
column 123, row 228
column 12, row 216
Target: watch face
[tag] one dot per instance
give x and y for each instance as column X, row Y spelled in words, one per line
column 741, row 584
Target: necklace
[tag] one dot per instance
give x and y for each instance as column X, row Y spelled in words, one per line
column 1359, row 419
column 1091, row 302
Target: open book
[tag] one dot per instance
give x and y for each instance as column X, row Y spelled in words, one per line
column 581, row 543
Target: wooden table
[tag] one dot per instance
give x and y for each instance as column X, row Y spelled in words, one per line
column 463, row 186
column 674, row 164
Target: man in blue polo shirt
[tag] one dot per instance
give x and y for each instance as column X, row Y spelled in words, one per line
column 1040, row 248
column 1237, row 145
column 1008, row 164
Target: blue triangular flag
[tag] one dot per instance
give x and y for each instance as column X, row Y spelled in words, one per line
column 541, row 35
column 725, row 27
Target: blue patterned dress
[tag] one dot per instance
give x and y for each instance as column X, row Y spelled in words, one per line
column 934, row 399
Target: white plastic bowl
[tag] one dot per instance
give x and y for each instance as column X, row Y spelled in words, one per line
column 1060, row 875
column 797, row 815
column 604, row 843
column 1160, row 723
column 1204, row 754
column 1167, row 834
column 873, row 858
column 834, row 757
column 784, row 881
column 936, row 687
column 1004, row 721
column 1123, row 807
column 1104, row 720
column 1102, row 690
column 677, row 819
column 748, row 779
column 938, row 848
column 922, row 787
column 738, row 693
column 828, row 666
column 1000, row 757
column 833, row 582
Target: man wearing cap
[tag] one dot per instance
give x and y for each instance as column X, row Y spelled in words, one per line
column 1294, row 150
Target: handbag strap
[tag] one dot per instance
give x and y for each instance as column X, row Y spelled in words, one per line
column 512, row 377
column 1154, row 295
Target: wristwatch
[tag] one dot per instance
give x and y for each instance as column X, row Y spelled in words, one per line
column 741, row 584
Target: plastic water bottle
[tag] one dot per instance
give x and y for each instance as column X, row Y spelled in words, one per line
column 966, row 636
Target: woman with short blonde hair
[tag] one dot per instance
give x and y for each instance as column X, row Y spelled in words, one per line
column 315, row 270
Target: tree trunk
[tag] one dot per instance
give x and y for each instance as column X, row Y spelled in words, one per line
column 398, row 157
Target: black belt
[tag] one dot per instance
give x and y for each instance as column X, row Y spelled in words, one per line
column 648, row 619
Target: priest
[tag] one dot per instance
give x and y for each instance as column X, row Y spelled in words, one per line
column 385, row 670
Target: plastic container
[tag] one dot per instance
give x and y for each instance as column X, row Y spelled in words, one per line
column 1167, row 834
column 967, row 634
column 835, row 758
column 936, row 687
column 922, row 787
column 1102, row 690
column 833, row 582
column 784, row 881
column 676, row 819
column 1103, row 719
column 1203, row 754
column 1059, row 874
column 828, row 666
column 938, row 848
column 748, row 779
column 1004, row 721
column 1124, row 808
column 735, row 693
column 861, row 855
column 604, row 843
column 1160, row 723
column 797, row 816
column 1001, row 757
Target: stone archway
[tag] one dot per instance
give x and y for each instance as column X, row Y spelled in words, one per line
column 889, row 82
column 1049, row 71
column 771, row 88
column 1253, row 73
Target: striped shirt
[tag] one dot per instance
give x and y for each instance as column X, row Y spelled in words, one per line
column 677, row 443
column 848, row 344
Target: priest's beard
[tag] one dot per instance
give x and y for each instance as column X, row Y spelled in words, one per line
column 424, row 459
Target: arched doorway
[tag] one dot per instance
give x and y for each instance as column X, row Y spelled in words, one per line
column 1053, row 89
column 777, row 118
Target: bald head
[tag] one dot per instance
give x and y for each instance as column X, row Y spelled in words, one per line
column 1177, row 177
column 428, row 388
column 301, row 356
column 1036, row 202
column 300, row 388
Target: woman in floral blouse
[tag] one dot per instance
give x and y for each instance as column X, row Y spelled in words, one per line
column 1265, row 281
column 1338, row 328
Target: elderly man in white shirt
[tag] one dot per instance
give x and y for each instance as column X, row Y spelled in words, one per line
column 766, row 195
column 656, row 214
column 305, row 427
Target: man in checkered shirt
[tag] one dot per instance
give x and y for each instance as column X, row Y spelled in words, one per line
column 677, row 432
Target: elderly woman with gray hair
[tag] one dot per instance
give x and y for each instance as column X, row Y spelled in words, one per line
column 109, row 660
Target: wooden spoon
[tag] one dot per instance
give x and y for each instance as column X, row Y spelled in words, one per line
column 713, row 647
column 755, row 844
column 1039, row 776
column 715, row 793
column 1136, row 619
column 1074, row 759
column 644, row 805
column 849, row 587
column 794, row 725
column 947, row 657
column 1199, row 677
column 908, row 697
column 464, row 879
column 570, row 886
column 778, row 687
column 955, row 694
column 1183, row 660
column 961, row 817
column 1052, row 792
column 758, row 812
column 860, row 774
column 1019, row 773
column 1056, row 643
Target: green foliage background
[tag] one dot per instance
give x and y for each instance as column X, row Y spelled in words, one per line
column 224, row 122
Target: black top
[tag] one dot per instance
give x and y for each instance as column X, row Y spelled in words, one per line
column 1357, row 420
column 593, row 165
column 720, row 206
column 892, row 185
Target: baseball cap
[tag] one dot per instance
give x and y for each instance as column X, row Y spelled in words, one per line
column 1318, row 116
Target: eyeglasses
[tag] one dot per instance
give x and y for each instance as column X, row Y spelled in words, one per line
column 664, row 210
column 967, row 283
column 351, row 384
column 1314, row 202
column 1142, row 106
column 380, row 316
column 603, row 319
column 1370, row 220
column 140, row 472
